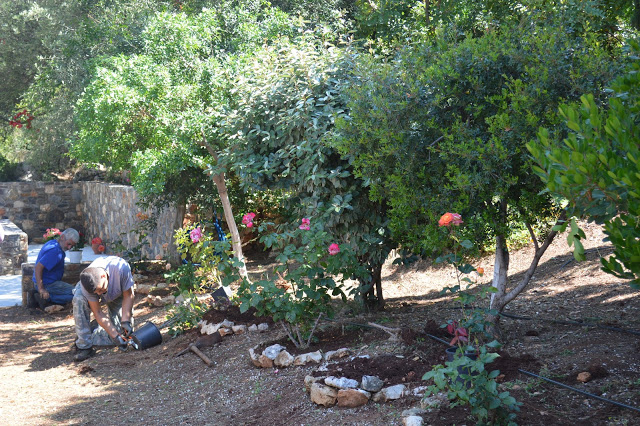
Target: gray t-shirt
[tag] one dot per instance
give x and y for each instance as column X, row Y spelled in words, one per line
column 120, row 278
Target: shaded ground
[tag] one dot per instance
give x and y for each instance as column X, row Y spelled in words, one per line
column 43, row 386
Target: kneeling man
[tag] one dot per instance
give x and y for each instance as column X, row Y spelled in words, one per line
column 106, row 281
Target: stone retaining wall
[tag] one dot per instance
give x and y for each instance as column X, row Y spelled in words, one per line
column 35, row 206
column 13, row 250
column 96, row 209
column 111, row 213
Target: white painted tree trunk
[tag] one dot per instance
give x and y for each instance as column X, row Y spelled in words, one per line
column 503, row 296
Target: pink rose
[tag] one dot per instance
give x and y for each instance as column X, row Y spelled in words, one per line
column 305, row 224
column 247, row 219
column 195, row 234
column 457, row 219
column 334, row 249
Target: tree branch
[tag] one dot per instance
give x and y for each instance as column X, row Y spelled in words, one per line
column 534, row 263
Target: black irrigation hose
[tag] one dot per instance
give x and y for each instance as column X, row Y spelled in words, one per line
column 571, row 388
column 566, row 322
column 438, row 339
column 619, row 404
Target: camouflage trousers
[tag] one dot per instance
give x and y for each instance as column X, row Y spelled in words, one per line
column 89, row 336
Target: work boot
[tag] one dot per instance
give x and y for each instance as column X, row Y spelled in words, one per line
column 83, row 354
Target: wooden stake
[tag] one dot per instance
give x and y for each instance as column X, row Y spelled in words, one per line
column 202, row 356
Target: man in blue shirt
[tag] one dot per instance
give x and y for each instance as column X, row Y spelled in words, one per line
column 47, row 274
column 107, row 281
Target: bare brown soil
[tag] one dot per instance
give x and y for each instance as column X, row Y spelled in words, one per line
column 580, row 319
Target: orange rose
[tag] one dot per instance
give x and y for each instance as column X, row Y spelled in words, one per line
column 445, row 220
column 480, row 270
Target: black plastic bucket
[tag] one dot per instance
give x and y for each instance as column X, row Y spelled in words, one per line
column 147, row 336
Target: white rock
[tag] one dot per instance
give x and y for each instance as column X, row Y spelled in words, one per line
column 304, row 359
column 168, row 300
column 419, row 391
column 143, row 288
column 309, row 380
column 161, row 285
column 224, row 331
column 415, row 411
column 272, row 351
column 254, row 357
column 372, row 383
column 263, row 327
column 340, row 353
column 53, row 308
column 252, row 328
column 227, row 324
column 323, row 395
column 412, row 421
column 435, row 401
column 341, row 382
column 390, row 393
column 239, row 329
column 284, row 359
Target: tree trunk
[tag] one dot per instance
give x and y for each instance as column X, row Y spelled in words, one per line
column 181, row 209
column 373, row 298
column 502, row 297
column 221, row 186
column 231, row 223
column 500, row 278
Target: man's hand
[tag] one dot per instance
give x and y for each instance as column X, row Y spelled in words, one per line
column 44, row 294
column 126, row 329
column 122, row 343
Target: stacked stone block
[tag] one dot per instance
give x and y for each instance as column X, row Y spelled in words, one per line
column 35, row 206
column 111, row 213
column 13, row 250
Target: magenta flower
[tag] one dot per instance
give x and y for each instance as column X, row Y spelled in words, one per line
column 305, row 224
column 247, row 219
column 457, row 219
column 334, row 249
column 195, row 234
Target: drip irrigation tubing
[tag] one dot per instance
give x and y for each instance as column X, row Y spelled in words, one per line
column 569, row 322
column 571, row 388
column 564, row 322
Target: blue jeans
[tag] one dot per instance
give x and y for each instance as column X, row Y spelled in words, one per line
column 82, row 317
column 60, row 293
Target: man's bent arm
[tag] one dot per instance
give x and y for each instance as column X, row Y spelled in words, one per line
column 39, row 269
column 127, row 304
column 103, row 320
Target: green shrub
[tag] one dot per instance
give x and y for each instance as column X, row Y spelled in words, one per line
column 9, row 171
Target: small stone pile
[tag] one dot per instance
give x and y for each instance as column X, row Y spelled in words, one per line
column 227, row 327
column 277, row 356
column 329, row 391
